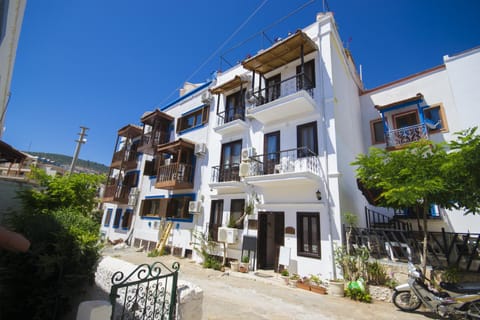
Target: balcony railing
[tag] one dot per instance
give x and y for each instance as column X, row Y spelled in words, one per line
column 282, row 89
column 286, row 161
column 226, row 173
column 178, row 172
column 231, row 115
column 116, row 192
column 406, row 135
column 159, row 137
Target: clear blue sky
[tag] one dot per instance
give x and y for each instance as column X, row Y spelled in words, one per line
column 103, row 63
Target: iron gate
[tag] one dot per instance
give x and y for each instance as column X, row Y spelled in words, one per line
column 145, row 293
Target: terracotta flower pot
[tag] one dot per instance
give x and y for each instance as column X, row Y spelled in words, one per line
column 303, row 285
column 318, row 289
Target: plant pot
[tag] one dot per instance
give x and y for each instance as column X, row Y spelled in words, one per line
column 234, row 265
column 318, row 289
column 243, row 267
column 336, row 288
column 303, row 285
column 286, row 279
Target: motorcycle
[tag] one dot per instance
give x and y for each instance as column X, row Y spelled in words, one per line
column 452, row 301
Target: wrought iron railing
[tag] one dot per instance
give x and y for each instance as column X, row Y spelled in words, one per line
column 399, row 137
column 145, row 293
column 226, row 173
column 285, row 161
column 180, row 172
column 283, row 88
column 377, row 220
column 230, row 115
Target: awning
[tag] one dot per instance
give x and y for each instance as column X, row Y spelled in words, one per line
column 10, row 154
column 281, row 53
column 400, row 104
column 149, row 117
column 174, row 146
column 130, row 131
column 236, row 82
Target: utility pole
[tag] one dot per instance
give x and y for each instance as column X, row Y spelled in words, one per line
column 81, row 140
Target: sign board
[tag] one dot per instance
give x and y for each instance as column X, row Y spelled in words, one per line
column 284, row 258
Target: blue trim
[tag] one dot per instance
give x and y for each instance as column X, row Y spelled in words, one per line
column 152, row 177
column 193, row 128
column 403, row 105
column 155, row 197
column 193, row 110
column 168, row 219
column 182, row 195
column 203, row 86
column 150, row 218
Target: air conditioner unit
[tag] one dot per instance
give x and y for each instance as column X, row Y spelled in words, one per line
column 207, row 97
column 227, row 235
column 247, row 153
column 200, row 149
column 244, row 169
column 250, row 97
column 194, row 207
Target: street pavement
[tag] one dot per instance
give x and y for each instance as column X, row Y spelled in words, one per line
column 234, row 295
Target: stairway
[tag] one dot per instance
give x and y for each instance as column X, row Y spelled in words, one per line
column 165, row 234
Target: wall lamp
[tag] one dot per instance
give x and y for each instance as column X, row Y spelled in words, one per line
column 319, row 195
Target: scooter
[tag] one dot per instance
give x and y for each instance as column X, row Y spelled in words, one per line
column 453, row 301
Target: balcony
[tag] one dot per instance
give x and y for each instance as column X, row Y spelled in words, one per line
column 226, row 178
column 231, row 122
column 151, row 140
column 288, row 167
column 175, row 176
column 400, row 137
column 116, row 193
column 281, row 101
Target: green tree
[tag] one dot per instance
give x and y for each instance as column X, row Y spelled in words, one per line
column 410, row 177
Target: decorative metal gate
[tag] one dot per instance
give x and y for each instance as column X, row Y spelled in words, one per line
column 145, row 293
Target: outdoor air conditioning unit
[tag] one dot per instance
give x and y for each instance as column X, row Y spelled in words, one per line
column 200, row 149
column 247, row 153
column 207, row 97
column 194, row 207
column 244, row 169
column 227, row 235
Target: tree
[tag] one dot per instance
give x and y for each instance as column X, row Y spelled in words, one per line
column 410, row 177
column 424, row 173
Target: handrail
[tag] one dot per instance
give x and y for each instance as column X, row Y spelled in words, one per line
column 398, row 137
column 290, row 160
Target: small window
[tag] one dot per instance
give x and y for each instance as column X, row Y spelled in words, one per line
column 308, row 235
column 377, row 132
column 307, row 140
column 216, row 215
column 154, row 207
column 108, row 217
column 127, row 219
column 237, row 208
column 193, row 119
column 116, row 221
column 435, row 119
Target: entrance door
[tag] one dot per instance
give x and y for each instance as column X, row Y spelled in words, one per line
column 271, row 236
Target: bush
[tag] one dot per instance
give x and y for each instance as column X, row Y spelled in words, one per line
column 62, row 259
column 356, row 291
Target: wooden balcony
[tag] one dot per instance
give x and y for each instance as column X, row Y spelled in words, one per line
column 175, row 176
column 116, row 193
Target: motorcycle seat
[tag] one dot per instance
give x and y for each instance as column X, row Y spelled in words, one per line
column 461, row 287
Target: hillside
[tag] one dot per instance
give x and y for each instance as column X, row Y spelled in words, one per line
column 65, row 161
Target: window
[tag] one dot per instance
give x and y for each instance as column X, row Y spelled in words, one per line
column 237, row 208
column 175, row 207
column 178, row 207
column 230, row 161
column 118, row 215
column 307, row 82
column 108, row 216
column 154, row 207
column 377, row 132
column 234, row 108
column 406, row 119
column 271, row 145
column 308, row 235
column 131, row 179
column 435, row 119
column 127, row 219
column 193, row 119
column 307, row 140
column 216, row 217
column 272, row 85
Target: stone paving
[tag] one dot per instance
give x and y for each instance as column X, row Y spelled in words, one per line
column 234, row 295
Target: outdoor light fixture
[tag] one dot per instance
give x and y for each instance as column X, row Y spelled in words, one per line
column 319, row 195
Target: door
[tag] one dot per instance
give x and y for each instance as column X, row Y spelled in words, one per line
column 271, row 236
column 273, row 87
column 216, row 214
column 272, row 152
column 230, row 161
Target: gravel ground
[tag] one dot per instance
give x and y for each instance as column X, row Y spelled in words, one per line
column 234, row 295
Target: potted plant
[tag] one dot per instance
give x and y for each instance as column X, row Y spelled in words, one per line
column 316, row 285
column 303, row 283
column 244, row 265
column 285, row 276
column 234, row 265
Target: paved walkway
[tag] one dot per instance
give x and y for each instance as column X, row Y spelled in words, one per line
column 234, row 295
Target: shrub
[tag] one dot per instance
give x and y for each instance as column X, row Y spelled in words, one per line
column 377, row 275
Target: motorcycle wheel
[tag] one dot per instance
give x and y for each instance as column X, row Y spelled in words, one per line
column 406, row 301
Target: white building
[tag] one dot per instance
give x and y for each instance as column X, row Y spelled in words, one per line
column 275, row 134
column 11, row 17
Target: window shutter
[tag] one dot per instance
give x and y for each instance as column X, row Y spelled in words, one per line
column 206, row 111
column 179, row 122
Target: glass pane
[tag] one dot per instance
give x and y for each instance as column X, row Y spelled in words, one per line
column 305, row 240
column 406, row 120
column 378, row 133
column 236, row 151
